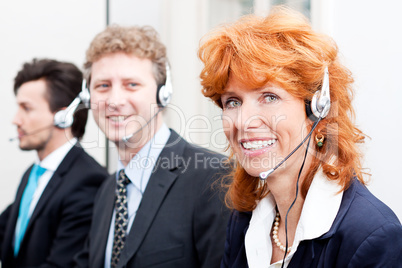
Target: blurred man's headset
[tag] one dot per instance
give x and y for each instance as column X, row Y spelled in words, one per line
column 65, row 118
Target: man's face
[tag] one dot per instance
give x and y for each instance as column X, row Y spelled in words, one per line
column 123, row 97
column 33, row 114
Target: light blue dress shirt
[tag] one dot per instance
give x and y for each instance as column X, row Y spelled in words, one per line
column 138, row 170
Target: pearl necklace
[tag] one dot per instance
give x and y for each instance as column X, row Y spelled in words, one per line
column 275, row 234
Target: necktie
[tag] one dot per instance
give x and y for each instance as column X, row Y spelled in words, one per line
column 121, row 221
column 23, row 214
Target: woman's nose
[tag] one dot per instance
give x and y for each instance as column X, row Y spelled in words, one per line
column 249, row 116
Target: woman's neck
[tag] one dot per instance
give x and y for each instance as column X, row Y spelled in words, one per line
column 282, row 185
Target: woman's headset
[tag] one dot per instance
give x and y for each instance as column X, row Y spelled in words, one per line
column 320, row 104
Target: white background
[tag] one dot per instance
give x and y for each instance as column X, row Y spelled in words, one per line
column 60, row 30
column 368, row 33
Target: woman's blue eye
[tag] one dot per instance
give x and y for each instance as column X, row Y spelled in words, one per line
column 270, row 97
column 229, row 104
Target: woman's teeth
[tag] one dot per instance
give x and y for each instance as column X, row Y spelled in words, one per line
column 256, row 145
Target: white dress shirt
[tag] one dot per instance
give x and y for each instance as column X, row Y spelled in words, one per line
column 138, row 170
column 320, row 208
column 50, row 163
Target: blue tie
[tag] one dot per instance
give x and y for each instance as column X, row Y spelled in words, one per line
column 23, row 215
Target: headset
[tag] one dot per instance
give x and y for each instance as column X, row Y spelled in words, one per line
column 65, row 118
column 316, row 109
column 321, row 101
column 163, row 96
column 164, row 91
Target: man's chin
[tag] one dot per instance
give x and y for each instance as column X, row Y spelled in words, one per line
column 127, row 141
column 25, row 147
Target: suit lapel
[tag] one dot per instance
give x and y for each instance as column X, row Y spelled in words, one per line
column 309, row 252
column 102, row 223
column 346, row 202
column 157, row 188
column 54, row 182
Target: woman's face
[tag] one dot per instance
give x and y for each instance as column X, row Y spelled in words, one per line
column 263, row 126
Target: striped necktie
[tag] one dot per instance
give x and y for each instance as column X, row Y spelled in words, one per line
column 121, row 220
column 23, row 214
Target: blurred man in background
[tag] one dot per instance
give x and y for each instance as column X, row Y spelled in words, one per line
column 49, row 219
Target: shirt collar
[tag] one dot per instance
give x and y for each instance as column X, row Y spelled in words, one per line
column 53, row 160
column 320, row 208
column 142, row 164
column 319, row 211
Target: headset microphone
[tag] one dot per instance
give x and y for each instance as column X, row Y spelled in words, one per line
column 126, row 138
column 32, row 133
column 264, row 175
column 316, row 110
column 64, row 118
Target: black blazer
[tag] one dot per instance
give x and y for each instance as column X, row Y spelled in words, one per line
column 60, row 222
column 365, row 233
column 181, row 220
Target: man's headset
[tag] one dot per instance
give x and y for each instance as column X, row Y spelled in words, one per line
column 65, row 118
column 163, row 96
column 164, row 91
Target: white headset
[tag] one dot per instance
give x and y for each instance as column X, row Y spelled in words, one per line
column 65, row 118
column 320, row 104
column 164, row 92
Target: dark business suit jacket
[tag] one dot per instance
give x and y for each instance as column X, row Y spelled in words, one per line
column 61, row 219
column 181, row 220
column 365, row 233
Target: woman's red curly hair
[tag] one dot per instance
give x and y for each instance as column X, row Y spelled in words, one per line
column 283, row 49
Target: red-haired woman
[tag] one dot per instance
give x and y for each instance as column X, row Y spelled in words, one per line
column 284, row 113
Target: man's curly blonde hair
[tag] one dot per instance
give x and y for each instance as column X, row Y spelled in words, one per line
column 143, row 42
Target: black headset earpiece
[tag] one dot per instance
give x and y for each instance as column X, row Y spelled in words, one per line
column 65, row 118
column 321, row 101
column 164, row 92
